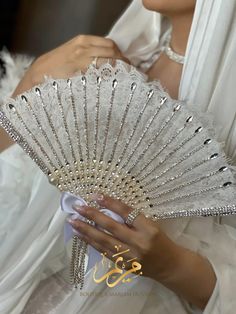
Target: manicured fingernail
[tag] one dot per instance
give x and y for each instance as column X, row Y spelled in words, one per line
column 80, row 209
column 97, row 197
column 70, row 221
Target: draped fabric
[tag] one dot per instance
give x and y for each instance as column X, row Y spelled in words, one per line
column 31, row 226
column 31, row 229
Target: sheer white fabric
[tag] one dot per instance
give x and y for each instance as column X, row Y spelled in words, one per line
column 30, row 227
column 31, row 222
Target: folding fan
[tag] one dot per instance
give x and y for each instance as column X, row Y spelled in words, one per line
column 110, row 131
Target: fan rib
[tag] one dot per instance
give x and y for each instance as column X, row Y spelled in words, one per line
column 153, row 139
column 30, row 108
column 148, row 125
column 170, row 141
column 110, row 169
column 71, row 165
column 183, row 185
column 64, row 122
column 149, row 97
column 170, row 154
column 97, row 107
column 34, row 138
column 69, row 82
column 178, row 176
column 38, row 92
column 184, row 158
column 85, row 109
column 185, row 196
column 9, row 128
column 114, row 85
column 133, row 88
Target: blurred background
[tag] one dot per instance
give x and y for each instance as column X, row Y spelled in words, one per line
column 36, row 26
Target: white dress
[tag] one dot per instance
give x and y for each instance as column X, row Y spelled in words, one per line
column 32, row 248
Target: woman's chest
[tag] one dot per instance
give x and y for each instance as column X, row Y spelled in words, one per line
column 168, row 73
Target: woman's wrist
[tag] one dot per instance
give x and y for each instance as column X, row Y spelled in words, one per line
column 170, row 262
column 31, row 78
column 189, row 275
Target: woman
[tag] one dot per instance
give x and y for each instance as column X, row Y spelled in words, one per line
column 184, row 262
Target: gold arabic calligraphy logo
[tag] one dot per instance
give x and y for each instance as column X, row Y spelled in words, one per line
column 118, row 274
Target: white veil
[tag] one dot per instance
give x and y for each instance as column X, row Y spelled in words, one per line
column 210, row 69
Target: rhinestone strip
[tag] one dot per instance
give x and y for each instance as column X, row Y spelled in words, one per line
column 147, row 127
column 113, row 167
column 178, row 176
column 155, row 137
column 182, row 159
column 55, row 85
column 185, row 196
column 114, row 86
column 99, row 80
column 149, row 97
column 133, row 88
column 56, row 175
column 29, row 106
column 85, row 108
column 69, row 83
column 8, row 127
column 77, row 270
column 14, row 110
column 72, row 165
column 201, row 212
column 38, row 92
column 170, row 141
column 183, row 185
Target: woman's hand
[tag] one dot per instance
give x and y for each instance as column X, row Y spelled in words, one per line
column 66, row 60
column 185, row 272
column 142, row 239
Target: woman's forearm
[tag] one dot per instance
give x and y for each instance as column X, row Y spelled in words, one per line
column 5, row 140
column 191, row 277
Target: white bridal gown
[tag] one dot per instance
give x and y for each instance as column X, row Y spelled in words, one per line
column 31, row 224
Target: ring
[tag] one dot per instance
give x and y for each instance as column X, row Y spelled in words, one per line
column 94, row 62
column 90, row 222
column 132, row 215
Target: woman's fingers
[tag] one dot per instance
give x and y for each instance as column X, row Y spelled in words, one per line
column 66, row 60
column 98, row 246
column 103, row 52
column 90, row 40
column 118, row 230
column 97, row 47
column 111, row 254
column 121, row 209
column 98, row 239
column 83, row 56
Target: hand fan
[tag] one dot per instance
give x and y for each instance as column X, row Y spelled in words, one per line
column 111, row 131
